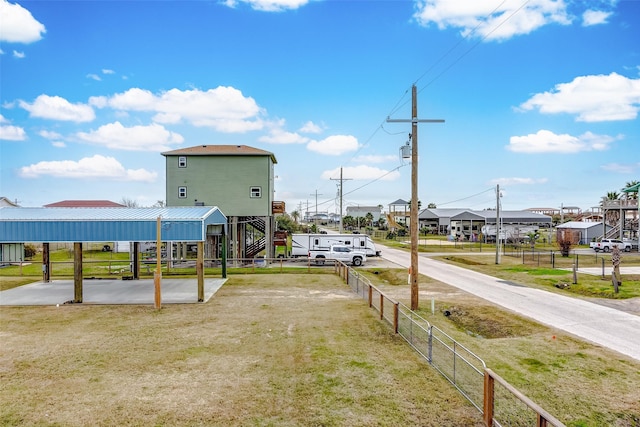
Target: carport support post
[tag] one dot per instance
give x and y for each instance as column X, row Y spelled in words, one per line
column 157, row 275
column 136, row 260
column 77, row 272
column 200, row 271
column 46, row 263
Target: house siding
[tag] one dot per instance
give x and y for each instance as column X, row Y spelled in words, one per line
column 224, row 181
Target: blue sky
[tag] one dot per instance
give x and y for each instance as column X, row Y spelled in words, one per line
column 539, row 96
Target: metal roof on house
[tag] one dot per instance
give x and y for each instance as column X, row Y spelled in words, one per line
column 107, row 224
column 432, row 213
column 486, row 215
column 220, row 150
column 580, row 225
column 85, row 204
column 633, row 189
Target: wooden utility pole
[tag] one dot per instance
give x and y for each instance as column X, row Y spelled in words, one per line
column 316, row 215
column 498, row 224
column 341, row 179
column 413, row 223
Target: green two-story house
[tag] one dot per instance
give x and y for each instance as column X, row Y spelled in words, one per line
column 239, row 180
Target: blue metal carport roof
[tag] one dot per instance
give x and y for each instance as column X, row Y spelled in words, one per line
column 182, row 224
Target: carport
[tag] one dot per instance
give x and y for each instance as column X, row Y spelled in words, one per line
column 78, row 225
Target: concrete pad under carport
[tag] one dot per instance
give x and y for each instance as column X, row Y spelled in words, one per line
column 100, row 291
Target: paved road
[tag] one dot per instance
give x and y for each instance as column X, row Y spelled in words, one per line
column 601, row 325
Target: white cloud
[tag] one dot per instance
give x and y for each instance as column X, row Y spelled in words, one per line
column 280, row 136
column 3, row 120
column 224, row 109
column 546, row 141
column 49, row 134
column 12, row 133
column 595, row 98
column 482, row 19
column 58, row 144
column 19, row 55
column 372, row 158
column 89, row 167
column 620, row 168
column 362, row 172
column 518, row 181
column 594, row 17
column 57, row 108
column 94, row 77
column 137, row 138
column 107, row 71
column 268, row 5
column 334, row 145
column 310, row 127
column 18, row 25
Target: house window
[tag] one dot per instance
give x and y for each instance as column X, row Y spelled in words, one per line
column 182, row 162
column 256, row 192
column 182, row 192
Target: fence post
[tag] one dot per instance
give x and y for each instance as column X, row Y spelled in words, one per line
column 602, row 259
column 553, row 259
column 395, row 316
column 381, row 306
column 488, row 398
column 430, row 343
column 370, row 296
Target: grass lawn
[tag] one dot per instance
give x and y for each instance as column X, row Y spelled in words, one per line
column 266, row 350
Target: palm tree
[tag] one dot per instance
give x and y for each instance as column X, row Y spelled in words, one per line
column 634, row 194
column 368, row 218
column 613, row 195
column 295, row 215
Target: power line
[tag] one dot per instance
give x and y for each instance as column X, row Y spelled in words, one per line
column 400, row 104
column 466, row 198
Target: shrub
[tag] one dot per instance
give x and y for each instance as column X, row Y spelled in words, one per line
column 29, row 251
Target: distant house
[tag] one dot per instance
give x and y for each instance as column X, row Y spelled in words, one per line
column 85, row 204
column 399, row 213
column 471, row 224
column 362, row 211
column 4, row 202
column 10, row 252
column 583, row 232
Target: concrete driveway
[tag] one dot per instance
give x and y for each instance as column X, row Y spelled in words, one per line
column 599, row 324
column 173, row 291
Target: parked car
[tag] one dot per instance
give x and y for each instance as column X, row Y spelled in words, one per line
column 606, row 245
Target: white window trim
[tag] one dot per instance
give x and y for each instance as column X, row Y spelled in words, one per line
column 251, row 194
column 180, row 196
column 182, row 161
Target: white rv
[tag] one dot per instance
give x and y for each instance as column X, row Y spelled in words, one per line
column 301, row 244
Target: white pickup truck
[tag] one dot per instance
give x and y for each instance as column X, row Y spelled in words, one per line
column 341, row 253
column 606, row 245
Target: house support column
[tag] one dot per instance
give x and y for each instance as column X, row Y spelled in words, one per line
column 268, row 235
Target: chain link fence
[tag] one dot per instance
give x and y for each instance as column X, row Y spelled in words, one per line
column 499, row 402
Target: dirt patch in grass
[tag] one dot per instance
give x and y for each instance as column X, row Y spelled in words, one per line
column 487, row 322
column 266, row 350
